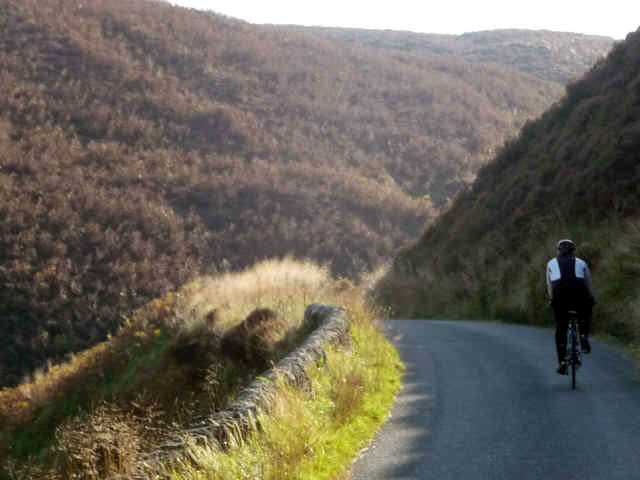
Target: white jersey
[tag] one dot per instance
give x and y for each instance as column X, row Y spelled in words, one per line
column 581, row 272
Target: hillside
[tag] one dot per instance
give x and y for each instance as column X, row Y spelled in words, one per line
column 143, row 144
column 554, row 56
column 573, row 173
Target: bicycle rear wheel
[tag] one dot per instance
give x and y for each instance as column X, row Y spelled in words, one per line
column 574, row 359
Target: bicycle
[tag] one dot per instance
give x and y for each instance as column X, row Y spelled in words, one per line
column 574, row 349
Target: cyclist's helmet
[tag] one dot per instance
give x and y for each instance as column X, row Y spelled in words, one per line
column 565, row 246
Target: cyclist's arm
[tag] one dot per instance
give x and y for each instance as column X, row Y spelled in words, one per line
column 548, row 276
column 587, row 281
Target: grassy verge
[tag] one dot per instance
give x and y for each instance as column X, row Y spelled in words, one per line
column 314, row 433
column 512, row 288
column 98, row 415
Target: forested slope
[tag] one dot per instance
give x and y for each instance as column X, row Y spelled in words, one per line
column 142, row 144
column 575, row 172
column 554, row 56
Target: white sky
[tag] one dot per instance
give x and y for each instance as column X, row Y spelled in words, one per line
column 613, row 18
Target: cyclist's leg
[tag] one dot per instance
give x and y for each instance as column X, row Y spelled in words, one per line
column 562, row 321
column 584, row 318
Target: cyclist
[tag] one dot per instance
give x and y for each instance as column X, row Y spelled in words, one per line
column 569, row 288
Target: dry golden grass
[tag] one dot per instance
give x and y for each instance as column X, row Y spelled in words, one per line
column 285, row 286
column 141, row 356
column 19, row 403
column 314, row 432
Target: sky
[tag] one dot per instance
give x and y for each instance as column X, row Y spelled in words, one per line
column 612, row 18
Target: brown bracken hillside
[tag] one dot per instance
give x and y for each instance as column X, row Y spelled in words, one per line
column 142, row 144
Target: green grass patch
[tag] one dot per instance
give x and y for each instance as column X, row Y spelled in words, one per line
column 314, row 433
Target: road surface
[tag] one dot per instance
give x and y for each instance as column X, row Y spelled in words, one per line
column 483, row 401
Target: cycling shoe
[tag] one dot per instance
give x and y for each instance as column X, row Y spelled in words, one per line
column 563, row 368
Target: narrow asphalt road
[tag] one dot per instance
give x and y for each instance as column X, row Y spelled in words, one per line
column 483, row 401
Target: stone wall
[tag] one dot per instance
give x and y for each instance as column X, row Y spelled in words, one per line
column 329, row 325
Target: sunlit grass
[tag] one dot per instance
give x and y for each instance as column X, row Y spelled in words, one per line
column 316, row 433
column 348, row 399
column 286, row 286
